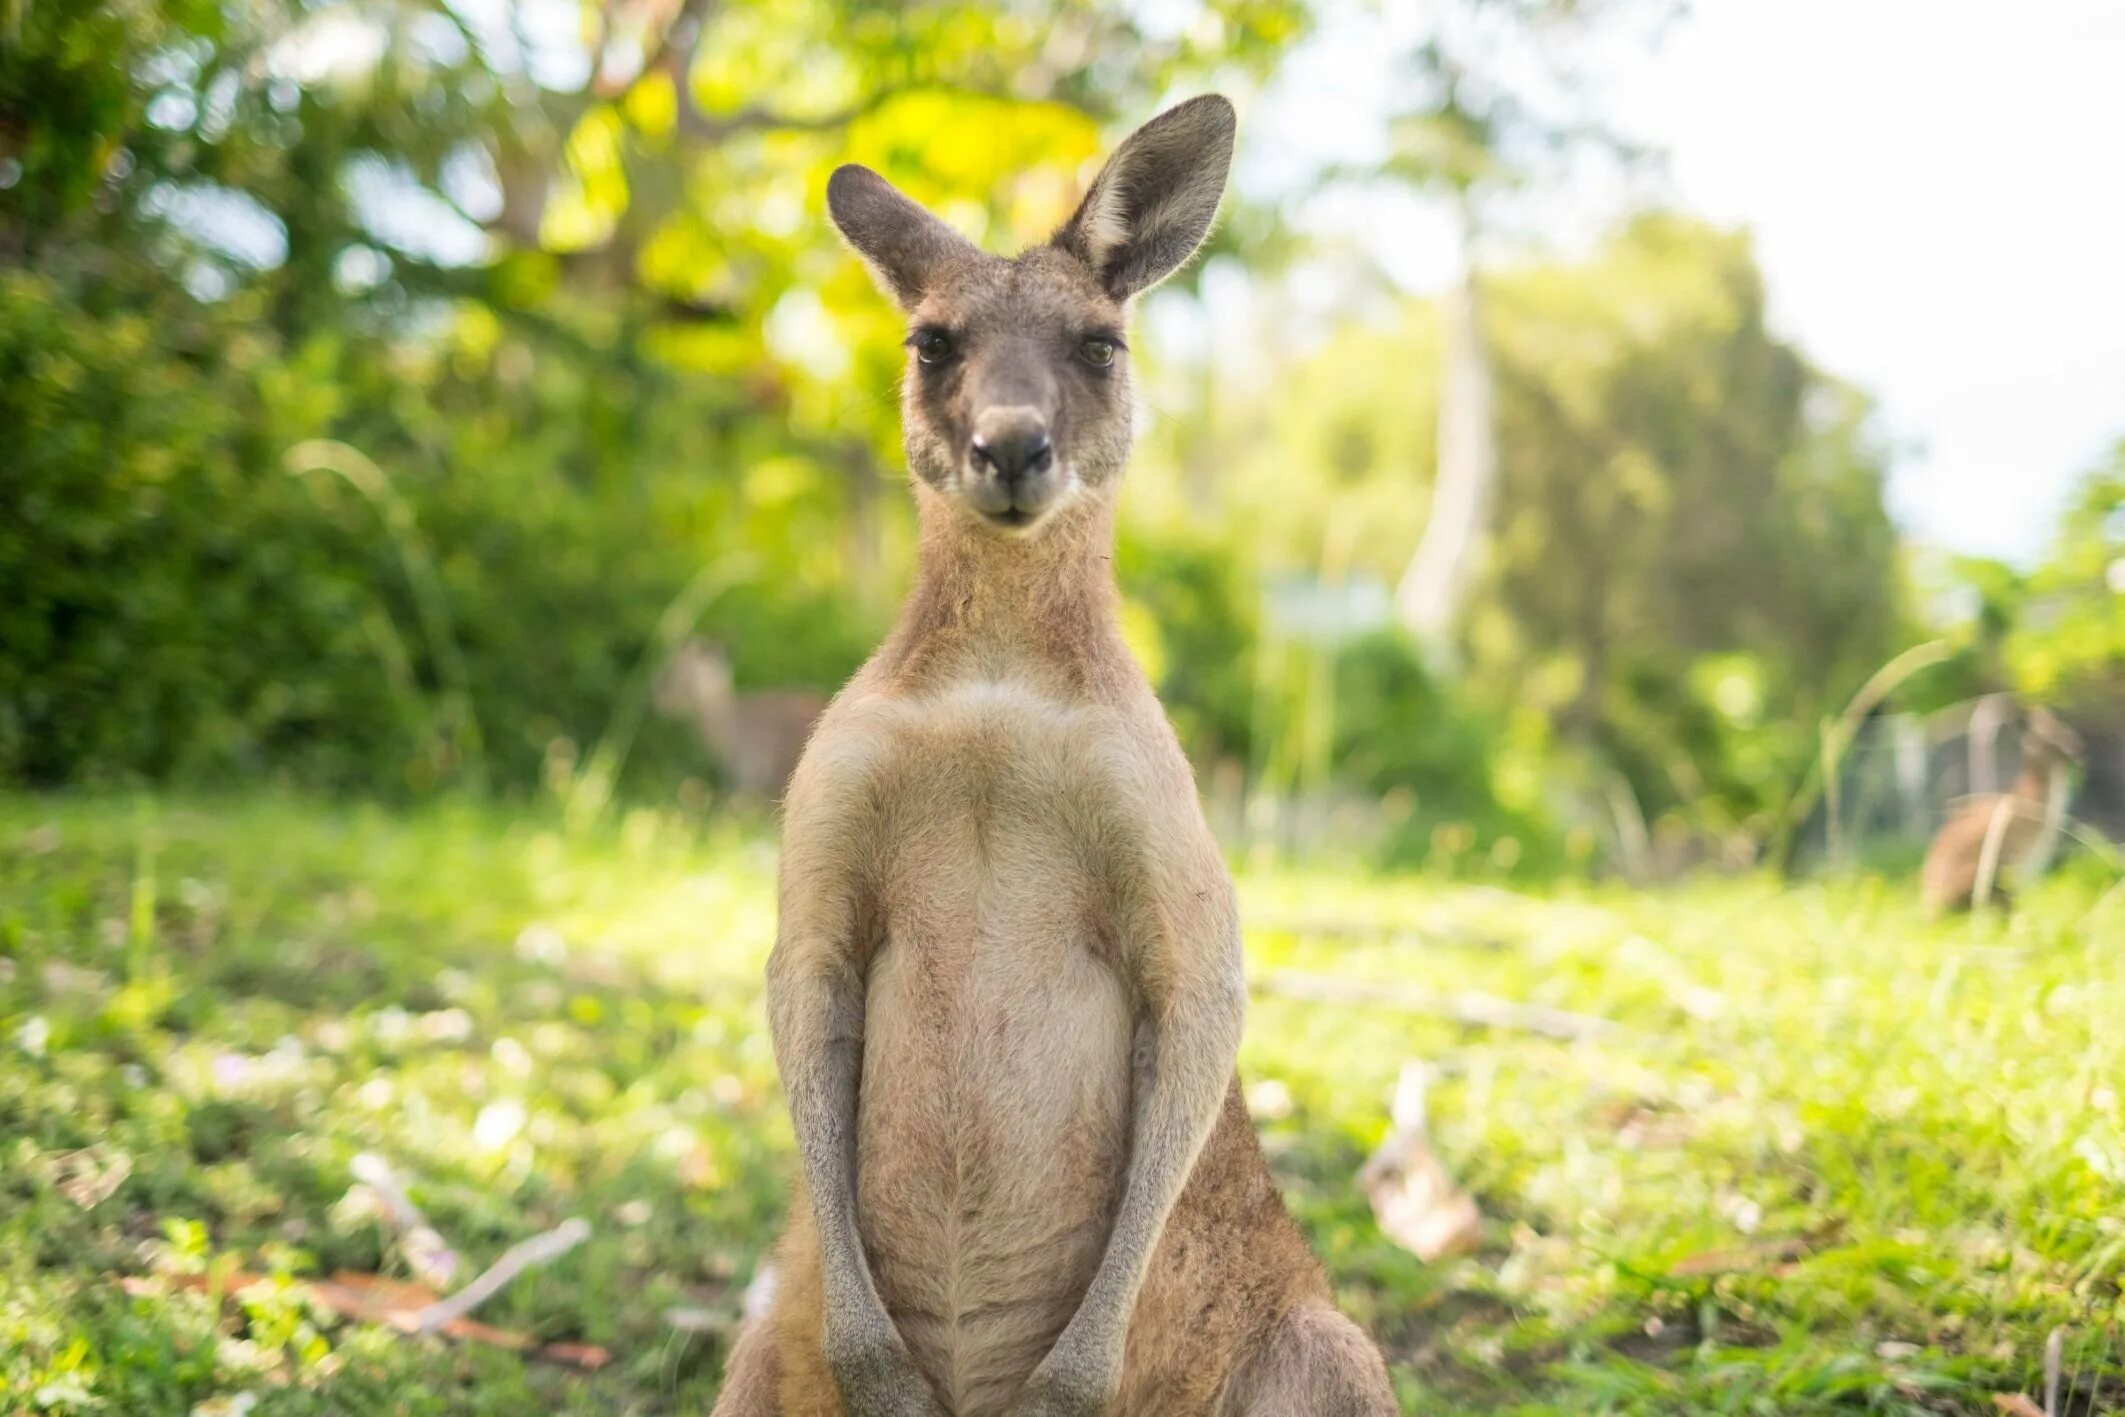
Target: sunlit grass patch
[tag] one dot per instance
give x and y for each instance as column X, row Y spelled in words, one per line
column 1826, row 1158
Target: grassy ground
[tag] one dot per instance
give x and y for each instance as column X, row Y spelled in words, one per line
column 1836, row 1160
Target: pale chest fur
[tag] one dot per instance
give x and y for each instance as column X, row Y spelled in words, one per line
column 993, row 1110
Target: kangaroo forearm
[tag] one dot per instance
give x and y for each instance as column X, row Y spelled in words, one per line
column 1182, row 1086
column 825, row 1126
column 815, row 1016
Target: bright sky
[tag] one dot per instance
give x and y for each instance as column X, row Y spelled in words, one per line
column 1938, row 196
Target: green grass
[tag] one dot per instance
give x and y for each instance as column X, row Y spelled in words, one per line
column 1907, row 1140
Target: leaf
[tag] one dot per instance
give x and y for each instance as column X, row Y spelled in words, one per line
column 1414, row 1198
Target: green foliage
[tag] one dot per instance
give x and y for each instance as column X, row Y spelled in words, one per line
column 1834, row 1159
column 1687, row 505
column 1427, row 752
column 183, row 603
column 1192, row 613
column 2053, row 633
column 172, row 601
column 2067, row 646
column 1690, row 563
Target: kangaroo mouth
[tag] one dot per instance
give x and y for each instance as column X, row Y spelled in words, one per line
column 1015, row 508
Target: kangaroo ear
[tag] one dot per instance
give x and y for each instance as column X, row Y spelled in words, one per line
column 1151, row 205
column 904, row 246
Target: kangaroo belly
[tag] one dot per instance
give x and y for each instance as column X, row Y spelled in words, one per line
column 992, row 1132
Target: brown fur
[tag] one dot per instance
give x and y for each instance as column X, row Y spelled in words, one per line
column 1006, row 993
column 1948, row 880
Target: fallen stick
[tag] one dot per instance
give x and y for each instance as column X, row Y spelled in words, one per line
column 1476, row 1010
column 369, row 1298
column 538, row 1250
column 427, row 1253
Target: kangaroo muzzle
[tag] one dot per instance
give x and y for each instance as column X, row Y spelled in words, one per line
column 1011, row 473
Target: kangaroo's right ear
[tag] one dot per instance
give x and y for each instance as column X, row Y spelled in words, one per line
column 904, row 246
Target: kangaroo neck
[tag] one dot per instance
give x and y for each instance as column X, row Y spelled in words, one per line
column 2034, row 783
column 987, row 606
column 717, row 712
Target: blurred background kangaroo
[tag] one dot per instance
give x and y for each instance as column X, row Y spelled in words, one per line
column 755, row 737
column 1994, row 832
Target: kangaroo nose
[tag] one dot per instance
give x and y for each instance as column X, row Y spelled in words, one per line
column 1014, row 442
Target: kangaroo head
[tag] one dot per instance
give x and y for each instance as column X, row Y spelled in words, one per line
column 696, row 677
column 1016, row 402
column 2047, row 739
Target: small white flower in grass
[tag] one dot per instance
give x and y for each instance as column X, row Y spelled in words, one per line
column 634, row 1212
column 498, row 1124
column 33, row 1035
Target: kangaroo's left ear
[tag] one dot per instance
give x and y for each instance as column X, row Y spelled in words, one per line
column 1152, row 204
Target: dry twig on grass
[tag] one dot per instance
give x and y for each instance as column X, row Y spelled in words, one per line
column 420, row 1307
column 427, row 1254
column 538, row 1250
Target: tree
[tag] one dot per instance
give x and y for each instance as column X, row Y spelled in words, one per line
column 1500, row 94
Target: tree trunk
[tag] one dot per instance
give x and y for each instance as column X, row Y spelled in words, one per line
column 1434, row 590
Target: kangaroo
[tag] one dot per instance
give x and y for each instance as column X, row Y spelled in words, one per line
column 1006, row 991
column 2018, row 823
column 756, row 737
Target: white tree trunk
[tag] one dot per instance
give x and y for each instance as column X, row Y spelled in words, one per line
column 1434, row 590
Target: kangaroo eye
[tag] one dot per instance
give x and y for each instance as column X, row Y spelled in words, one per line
column 1097, row 351
column 932, row 346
